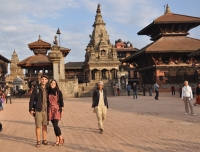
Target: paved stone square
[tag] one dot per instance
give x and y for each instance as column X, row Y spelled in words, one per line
column 142, row 125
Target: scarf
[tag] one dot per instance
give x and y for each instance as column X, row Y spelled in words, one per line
column 53, row 91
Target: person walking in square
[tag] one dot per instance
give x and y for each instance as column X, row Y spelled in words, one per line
column 197, row 95
column 173, row 89
column 180, row 91
column 8, row 94
column 150, row 90
column 156, row 88
column 128, row 88
column 38, row 109
column 193, row 90
column 144, row 90
column 100, row 105
column 115, row 90
column 135, row 90
column 187, row 96
column 55, row 110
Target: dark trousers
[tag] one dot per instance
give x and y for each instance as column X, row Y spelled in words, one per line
column 144, row 93
column 193, row 94
column 9, row 99
column 173, row 92
column 157, row 94
column 56, row 128
column 180, row 94
column 128, row 92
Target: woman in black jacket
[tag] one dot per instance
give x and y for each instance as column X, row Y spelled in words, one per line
column 55, row 110
column 197, row 95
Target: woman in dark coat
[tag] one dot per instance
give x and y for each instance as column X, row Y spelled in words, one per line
column 55, row 111
column 197, row 95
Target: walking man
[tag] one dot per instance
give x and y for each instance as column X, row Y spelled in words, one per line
column 150, row 90
column 134, row 91
column 144, row 90
column 115, row 90
column 187, row 96
column 156, row 88
column 8, row 94
column 173, row 90
column 100, row 105
column 38, row 109
column 128, row 88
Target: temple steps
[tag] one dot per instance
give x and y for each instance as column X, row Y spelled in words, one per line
column 86, row 89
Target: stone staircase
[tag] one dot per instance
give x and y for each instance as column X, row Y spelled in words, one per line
column 86, row 89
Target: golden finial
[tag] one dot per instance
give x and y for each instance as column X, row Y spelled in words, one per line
column 167, row 9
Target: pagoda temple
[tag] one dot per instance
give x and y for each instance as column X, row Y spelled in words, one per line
column 166, row 59
column 101, row 60
column 40, row 63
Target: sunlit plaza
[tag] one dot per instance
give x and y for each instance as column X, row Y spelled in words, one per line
column 142, row 125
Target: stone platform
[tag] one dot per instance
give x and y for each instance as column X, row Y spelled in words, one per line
column 142, row 125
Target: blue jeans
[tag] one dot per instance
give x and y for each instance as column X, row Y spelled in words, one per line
column 135, row 94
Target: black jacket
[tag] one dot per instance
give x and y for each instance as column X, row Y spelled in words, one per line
column 95, row 98
column 37, row 97
column 60, row 100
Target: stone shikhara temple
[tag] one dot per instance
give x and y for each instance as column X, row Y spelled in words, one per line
column 166, row 60
column 101, row 60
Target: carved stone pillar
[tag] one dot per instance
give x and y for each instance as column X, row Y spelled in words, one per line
column 90, row 78
column 100, row 75
column 62, row 68
column 55, row 56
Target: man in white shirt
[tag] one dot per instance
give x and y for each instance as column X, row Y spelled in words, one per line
column 187, row 96
column 100, row 105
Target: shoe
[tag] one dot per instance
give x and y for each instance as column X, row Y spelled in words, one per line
column 195, row 104
column 38, row 144
column 101, row 131
column 194, row 114
column 186, row 113
column 56, row 143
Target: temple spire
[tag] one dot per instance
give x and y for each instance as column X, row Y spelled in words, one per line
column 167, row 10
column 98, row 9
column 39, row 38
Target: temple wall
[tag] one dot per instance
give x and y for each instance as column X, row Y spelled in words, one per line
column 69, row 88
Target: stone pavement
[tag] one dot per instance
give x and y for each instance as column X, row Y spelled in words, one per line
column 142, row 125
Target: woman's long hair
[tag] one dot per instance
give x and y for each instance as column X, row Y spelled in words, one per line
column 57, row 87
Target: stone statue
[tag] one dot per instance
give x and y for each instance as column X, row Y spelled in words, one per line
column 55, row 41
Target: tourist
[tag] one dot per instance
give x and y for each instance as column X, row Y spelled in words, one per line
column 197, row 95
column 118, row 91
column 55, row 110
column 135, row 90
column 150, row 90
column 8, row 94
column 187, row 96
column 180, row 90
column 115, row 90
column 193, row 90
column 144, row 90
column 39, row 111
column 173, row 89
column 100, row 105
column 2, row 99
column 156, row 88
column 128, row 88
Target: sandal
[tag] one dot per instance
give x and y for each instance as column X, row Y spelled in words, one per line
column 56, row 143
column 38, row 144
column 45, row 142
column 61, row 142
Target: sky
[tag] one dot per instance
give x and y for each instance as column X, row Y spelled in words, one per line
column 22, row 21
